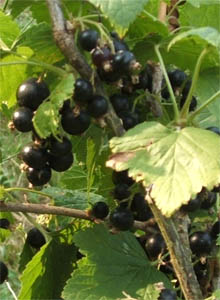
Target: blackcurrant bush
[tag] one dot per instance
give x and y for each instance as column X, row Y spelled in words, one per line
column 207, row 198
column 167, row 294
column 110, row 76
column 214, row 129
column 75, row 124
column 177, row 78
column 3, row 272
column 144, row 80
column 101, row 58
column 193, row 103
column 122, row 219
column 155, row 245
column 140, row 208
column 215, row 230
column 35, row 238
column 129, row 119
column 39, row 177
column 122, row 177
column 200, row 270
column 100, row 210
column 88, row 39
column 83, row 91
column 200, row 243
column 34, row 156
column 123, row 62
column 98, row 106
column 59, row 148
column 61, row 163
column 4, row 223
column 32, row 92
column 121, row 191
column 138, row 202
column 119, row 44
column 119, row 102
column 22, row 119
column 192, row 205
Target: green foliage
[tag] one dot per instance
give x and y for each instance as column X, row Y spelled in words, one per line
column 173, row 162
column 9, row 31
column 109, row 257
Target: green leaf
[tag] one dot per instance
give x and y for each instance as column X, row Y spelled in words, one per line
column 120, row 13
column 25, row 256
column 198, row 3
column 175, row 163
column 74, row 179
column 9, row 31
column 40, row 39
column 72, row 199
column 205, row 15
column 46, row 274
column 208, row 34
column 12, row 75
column 114, row 264
column 208, row 85
column 4, row 234
column 63, row 91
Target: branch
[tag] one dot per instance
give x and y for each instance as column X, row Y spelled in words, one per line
column 64, row 39
column 61, row 211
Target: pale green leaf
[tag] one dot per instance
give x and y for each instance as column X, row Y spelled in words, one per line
column 210, row 35
column 113, row 264
column 176, row 163
column 46, row 274
column 121, row 13
column 63, row 91
column 9, row 30
column 198, row 3
column 40, row 39
column 4, row 234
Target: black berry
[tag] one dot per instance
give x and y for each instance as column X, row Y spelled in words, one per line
column 122, row 177
column 110, row 76
column 200, row 243
column 122, row 219
column 177, row 78
column 123, row 62
column 34, row 156
column 155, row 245
column 31, row 93
column 39, row 177
column 98, row 106
column 22, row 119
column 75, row 124
column 83, row 91
column 207, row 198
column 119, row 102
column 167, row 294
column 121, row 191
column 59, row 148
column 129, row 119
column 193, row 103
column 61, row 163
column 100, row 210
column 88, row 39
column 215, row 230
column 193, row 205
column 200, row 270
column 140, row 208
column 35, row 238
column 101, row 58
column 119, row 44
column 214, row 129
column 3, row 272
column 4, row 223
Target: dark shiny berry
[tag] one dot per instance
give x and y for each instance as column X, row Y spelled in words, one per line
column 119, row 44
column 22, row 119
column 167, row 294
column 140, row 208
column 35, row 238
column 193, row 205
column 110, row 76
column 83, row 91
column 201, row 270
column 155, row 245
column 214, row 129
column 144, row 80
column 31, row 93
column 66, row 107
column 122, row 177
column 98, row 106
column 75, row 124
column 59, row 148
column 3, row 272
column 39, row 177
column 186, row 88
column 129, row 119
column 4, row 223
column 122, row 219
column 121, row 191
column 207, row 198
column 101, row 57
column 34, row 156
column 200, row 243
column 100, row 210
column 61, row 163
column 177, row 78
column 88, row 39
column 193, row 103
column 119, row 102
column 123, row 61
column 215, row 230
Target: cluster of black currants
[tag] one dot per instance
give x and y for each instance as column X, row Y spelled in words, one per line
column 181, row 85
